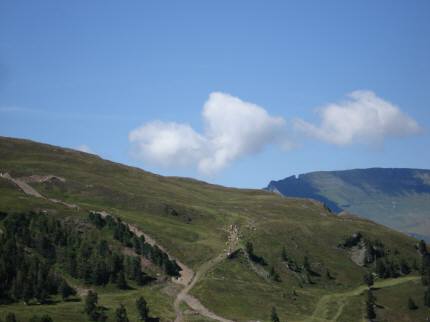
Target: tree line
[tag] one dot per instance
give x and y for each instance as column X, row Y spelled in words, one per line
column 33, row 244
column 125, row 236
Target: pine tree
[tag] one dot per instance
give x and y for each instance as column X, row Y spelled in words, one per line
column 284, row 254
column 45, row 318
column 274, row 275
column 422, row 247
column 368, row 279
column 65, row 290
column 427, row 297
column 404, row 267
column 370, row 305
column 10, row 317
column 121, row 314
column 328, row 274
column 91, row 301
column 380, row 268
column 142, row 308
column 306, row 264
column 274, row 316
column 411, row 304
column 121, row 283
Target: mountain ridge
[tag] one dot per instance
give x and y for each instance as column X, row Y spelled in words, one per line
column 396, row 197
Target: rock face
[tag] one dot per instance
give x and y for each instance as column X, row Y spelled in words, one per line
column 398, row 198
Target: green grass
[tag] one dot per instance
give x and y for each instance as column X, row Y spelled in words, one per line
column 198, row 233
column 71, row 311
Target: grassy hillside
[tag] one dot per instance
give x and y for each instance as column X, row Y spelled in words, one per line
column 193, row 221
column 397, row 198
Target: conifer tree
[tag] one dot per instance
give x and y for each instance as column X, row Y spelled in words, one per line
column 91, row 301
column 10, row 317
column 121, row 314
column 284, row 254
column 65, row 290
column 368, row 279
column 370, row 305
column 142, row 308
column 411, row 304
column 274, row 316
column 427, row 297
column 121, row 283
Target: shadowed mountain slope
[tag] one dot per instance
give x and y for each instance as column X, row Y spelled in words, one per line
column 398, row 198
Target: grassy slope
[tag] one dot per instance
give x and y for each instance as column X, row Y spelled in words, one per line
column 232, row 289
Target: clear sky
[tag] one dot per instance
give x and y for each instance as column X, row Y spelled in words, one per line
column 231, row 92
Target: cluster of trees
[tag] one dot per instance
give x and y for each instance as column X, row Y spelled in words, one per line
column 374, row 248
column 33, row 244
column 351, row 241
column 10, row 317
column 304, row 269
column 27, row 258
column 92, row 309
column 125, row 236
column 425, row 270
column 291, row 263
column 386, row 268
column 273, row 274
column 425, row 263
column 97, row 313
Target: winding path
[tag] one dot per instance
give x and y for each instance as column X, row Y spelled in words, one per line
column 322, row 312
column 194, row 303
column 187, row 278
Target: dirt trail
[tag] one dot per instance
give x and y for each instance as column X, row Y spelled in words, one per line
column 186, row 272
column 323, row 311
column 26, row 188
column 188, row 278
column 192, row 302
column 22, row 183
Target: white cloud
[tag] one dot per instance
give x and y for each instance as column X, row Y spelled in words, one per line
column 84, row 148
column 363, row 118
column 233, row 129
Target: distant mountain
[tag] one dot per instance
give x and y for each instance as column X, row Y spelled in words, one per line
column 398, row 198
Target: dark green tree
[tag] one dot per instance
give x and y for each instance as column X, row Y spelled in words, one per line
column 422, row 247
column 274, row 316
column 274, row 274
column 368, row 279
column 91, row 301
column 121, row 314
column 45, row 318
column 427, row 297
column 370, row 305
column 411, row 304
column 121, row 282
column 328, row 274
column 306, row 265
column 142, row 308
column 249, row 248
column 10, row 317
column 65, row 290
column 284, row 254
column 404, row 267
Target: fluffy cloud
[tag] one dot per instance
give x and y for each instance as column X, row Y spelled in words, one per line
column 233, row 129
column 363, row 118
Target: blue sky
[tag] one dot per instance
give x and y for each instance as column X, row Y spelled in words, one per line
column 123, row 78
